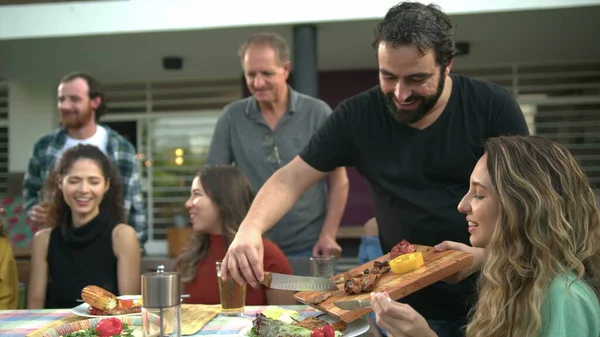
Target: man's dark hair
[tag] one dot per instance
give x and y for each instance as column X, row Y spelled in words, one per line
column 95, row 89
column 419, row 25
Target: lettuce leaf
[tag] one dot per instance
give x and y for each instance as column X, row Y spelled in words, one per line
column 268, row 327
column 281, row 314
column 252, row 333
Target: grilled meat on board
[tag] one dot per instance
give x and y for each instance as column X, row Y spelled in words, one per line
column 403, row 247
column 321, row 297
column 364, row 281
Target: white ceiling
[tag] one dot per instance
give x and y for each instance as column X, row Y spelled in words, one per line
column 499, row 38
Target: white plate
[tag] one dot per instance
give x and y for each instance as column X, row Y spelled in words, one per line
column 356, row 328
column 82, row 309
column 134, row 323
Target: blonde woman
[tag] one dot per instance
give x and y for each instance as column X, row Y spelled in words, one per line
column 9, row 276
column 532, row 208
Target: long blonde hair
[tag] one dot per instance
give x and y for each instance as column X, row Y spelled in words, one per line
column 549, row 225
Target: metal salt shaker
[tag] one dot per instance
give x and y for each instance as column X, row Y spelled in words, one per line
column 161, row 304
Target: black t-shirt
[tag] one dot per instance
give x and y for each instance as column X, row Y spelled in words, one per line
column 418, row 177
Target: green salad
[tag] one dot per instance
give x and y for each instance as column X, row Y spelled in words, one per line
column 278, row 322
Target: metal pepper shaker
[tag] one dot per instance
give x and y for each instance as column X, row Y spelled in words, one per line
column 161, row 304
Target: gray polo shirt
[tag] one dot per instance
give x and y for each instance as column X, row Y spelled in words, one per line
column 243, row 137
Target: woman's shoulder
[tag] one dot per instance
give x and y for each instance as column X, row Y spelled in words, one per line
column 42, row 236
column 5, row 245
column 271, row 246
column 123, row 233
column 44, row 232
column 571, row 304
column 41, row 242
column 123, row 229
column 274, row 259
column 272, row 252
column 570, row 287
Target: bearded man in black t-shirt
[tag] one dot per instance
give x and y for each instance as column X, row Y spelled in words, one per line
column 416, row 138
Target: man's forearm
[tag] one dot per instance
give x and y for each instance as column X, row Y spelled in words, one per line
column 338, row 197
column 137, row 220
column 279, row 194
column 134, row 206
column 272, row 202
column 30, row 196
column 138, row 215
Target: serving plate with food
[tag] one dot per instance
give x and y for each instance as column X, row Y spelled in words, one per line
column 275, row 321
column 111, row 326
column 406, row 269
column 99, row 302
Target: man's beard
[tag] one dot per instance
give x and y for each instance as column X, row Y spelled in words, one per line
column 80, row 119
column 425, row 106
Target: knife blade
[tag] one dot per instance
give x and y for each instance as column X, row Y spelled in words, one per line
column 297, row 283
column 353, row 305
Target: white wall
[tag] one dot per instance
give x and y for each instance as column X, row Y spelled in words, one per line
column 34, row 66
column 117, row 17
column 499, row 38
column 32, row 112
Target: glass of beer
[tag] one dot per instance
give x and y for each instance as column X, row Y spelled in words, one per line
column 233, row 295
column 44, row 199
column 322, row 266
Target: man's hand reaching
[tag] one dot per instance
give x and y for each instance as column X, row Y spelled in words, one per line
column 244, row 259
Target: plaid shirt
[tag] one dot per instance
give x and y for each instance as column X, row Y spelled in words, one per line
column 47, row 149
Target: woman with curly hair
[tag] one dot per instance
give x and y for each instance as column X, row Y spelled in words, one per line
column 87, row 241
column 532, row 208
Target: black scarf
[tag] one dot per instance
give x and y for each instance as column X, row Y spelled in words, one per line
column 84, row 235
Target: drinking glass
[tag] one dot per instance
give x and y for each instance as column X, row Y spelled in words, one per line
column 44, row 199
column 233, row 295
column 322, row 266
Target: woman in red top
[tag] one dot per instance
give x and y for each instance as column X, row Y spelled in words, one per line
column 220, row 198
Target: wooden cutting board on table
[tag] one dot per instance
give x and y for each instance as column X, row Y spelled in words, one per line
column 437, row 266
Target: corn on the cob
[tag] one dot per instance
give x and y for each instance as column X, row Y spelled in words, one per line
column 99, row 298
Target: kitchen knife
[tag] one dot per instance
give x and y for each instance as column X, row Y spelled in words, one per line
column 297, row 283
column 353, row 305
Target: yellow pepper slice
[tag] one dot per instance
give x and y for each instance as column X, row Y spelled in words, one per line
column 406, row 263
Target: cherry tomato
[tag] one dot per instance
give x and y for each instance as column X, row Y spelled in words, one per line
column 109, row 327
column 328, row 331
column 317, row 333
column 125, row 304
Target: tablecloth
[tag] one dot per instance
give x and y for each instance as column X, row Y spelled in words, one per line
column 19, row 323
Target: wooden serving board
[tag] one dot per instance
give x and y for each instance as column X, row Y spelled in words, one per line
column 437, row 266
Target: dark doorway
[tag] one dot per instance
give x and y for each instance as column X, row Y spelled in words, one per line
column 125, row 129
